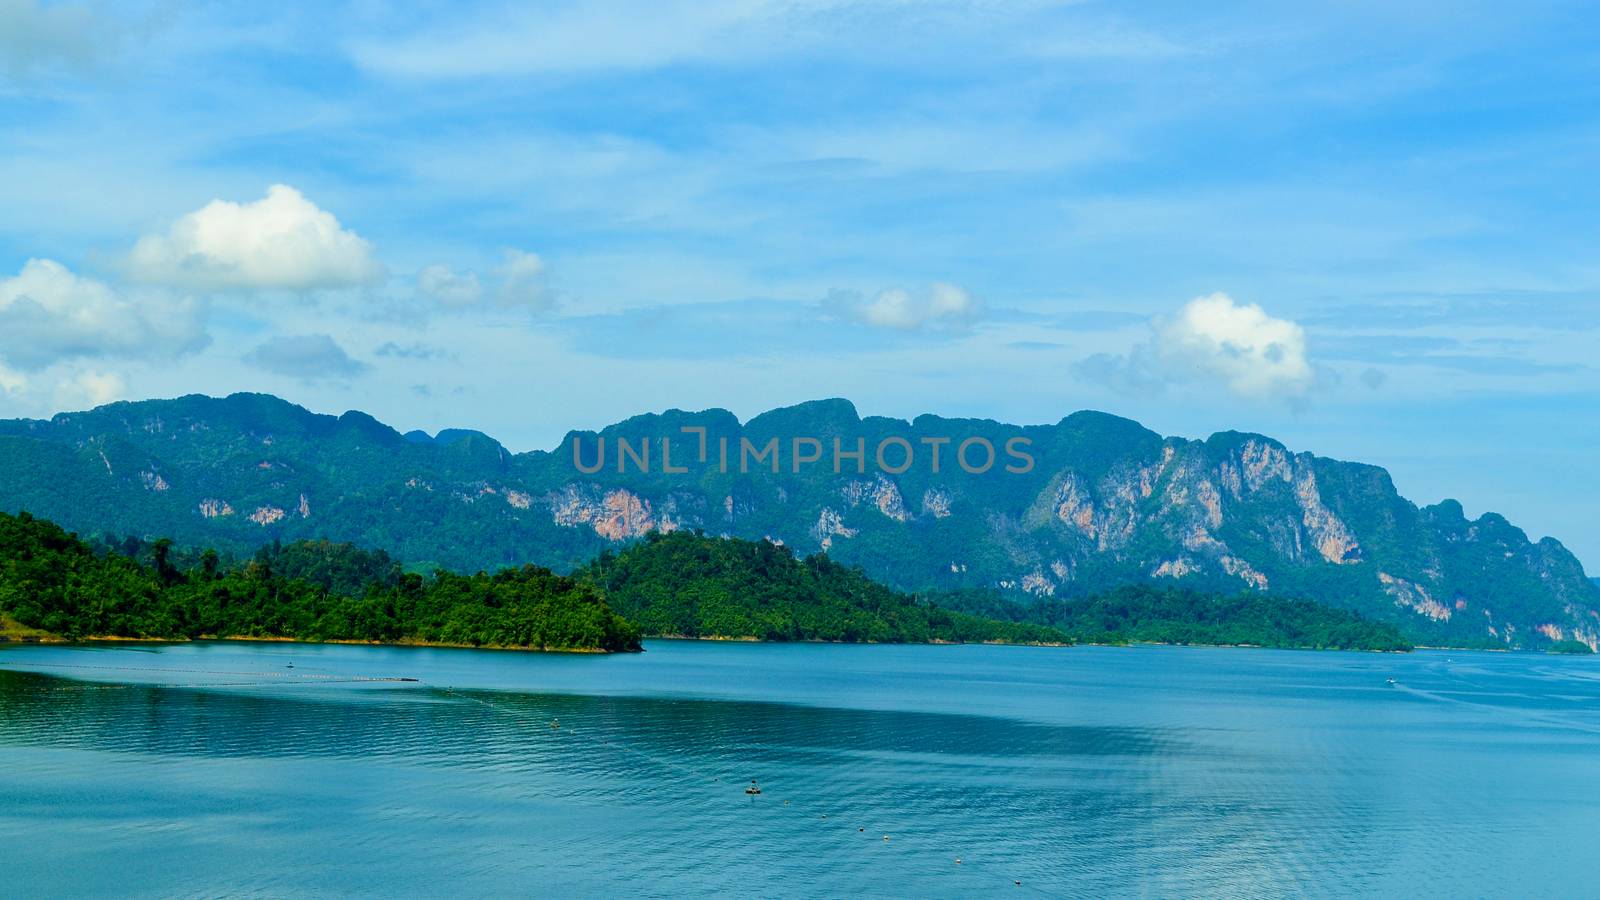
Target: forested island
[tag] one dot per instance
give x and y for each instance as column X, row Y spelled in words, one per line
column 55, row 585
column 1147, row 613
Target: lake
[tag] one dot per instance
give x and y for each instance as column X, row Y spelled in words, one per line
column 224, row 768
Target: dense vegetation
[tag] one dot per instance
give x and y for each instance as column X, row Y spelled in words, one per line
column 1147, row 613
column 318, row 591
column 1575, row 648
column 53, row 583
column 694, row 586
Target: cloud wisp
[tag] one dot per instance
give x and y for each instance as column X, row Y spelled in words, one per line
column 308, row 357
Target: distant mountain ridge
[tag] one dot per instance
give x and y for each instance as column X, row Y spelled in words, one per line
column 1103, row 502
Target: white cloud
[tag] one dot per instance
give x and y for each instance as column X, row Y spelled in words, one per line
column 941, row 307
column 280, row 241
column 449, row 288
column 517, row 283
column 89, row 389
column 522, row 281
column 48, row 313
column 12, row 382
column 1254, row 354
column 1215, row 339
column 61, row 388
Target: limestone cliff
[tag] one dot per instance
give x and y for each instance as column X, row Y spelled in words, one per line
column 1101, row 501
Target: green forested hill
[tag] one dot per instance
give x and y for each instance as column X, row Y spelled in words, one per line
column 694, row 586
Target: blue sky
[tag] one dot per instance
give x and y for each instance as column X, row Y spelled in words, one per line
column 1368, row 230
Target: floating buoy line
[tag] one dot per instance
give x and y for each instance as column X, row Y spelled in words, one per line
column 553, row 725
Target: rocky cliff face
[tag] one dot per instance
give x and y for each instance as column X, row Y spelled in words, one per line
column 1058, row 511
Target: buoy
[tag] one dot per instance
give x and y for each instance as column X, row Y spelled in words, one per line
column 958, row 860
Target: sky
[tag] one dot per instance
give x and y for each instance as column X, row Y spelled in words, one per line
column 1367, row 229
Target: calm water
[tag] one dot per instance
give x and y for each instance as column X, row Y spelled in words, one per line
column 215, row 769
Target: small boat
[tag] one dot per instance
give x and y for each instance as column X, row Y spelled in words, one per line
column 753, row 789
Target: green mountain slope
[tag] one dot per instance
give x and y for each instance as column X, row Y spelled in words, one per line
column 1105, row 503
column 693, row 586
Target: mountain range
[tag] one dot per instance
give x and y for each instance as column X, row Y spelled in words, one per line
column 1038, row 512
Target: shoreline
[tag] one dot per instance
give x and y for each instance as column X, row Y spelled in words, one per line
column 720, row 639
column 57, row 640
column 33, row 637
column 23, row 637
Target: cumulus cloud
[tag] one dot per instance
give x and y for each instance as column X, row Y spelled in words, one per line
column 63, row 387
column 519, row 282
column 941, row 307
column 1239, row 344
column 281, row 241
column 1213, row 338
column 307, row 356
column 48, row 314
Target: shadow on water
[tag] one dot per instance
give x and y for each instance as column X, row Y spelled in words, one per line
column 476, row 727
